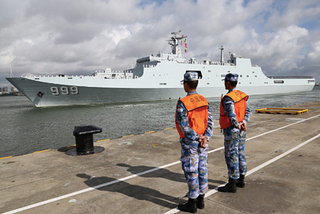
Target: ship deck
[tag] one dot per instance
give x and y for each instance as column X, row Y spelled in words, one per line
column 142, row 173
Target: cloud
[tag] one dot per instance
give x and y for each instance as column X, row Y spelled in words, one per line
column 78, row 36
column 280, row 49
column 314, row 55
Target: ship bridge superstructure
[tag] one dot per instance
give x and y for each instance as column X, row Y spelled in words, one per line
column 175, row 56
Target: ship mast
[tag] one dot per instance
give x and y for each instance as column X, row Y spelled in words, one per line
column 174, row 42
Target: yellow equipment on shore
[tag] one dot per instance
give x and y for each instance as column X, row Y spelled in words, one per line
column 289, row 111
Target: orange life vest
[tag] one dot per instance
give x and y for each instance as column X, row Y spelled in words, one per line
column 240, row 104
column 197, row 113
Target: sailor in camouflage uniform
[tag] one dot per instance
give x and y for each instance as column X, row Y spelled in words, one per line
column 194, row 123
column 234, row 115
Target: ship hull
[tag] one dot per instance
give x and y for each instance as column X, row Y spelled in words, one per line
column 41, row 94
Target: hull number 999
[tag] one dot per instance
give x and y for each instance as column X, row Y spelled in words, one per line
column 64, row 90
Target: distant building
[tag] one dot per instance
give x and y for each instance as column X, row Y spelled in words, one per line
column 4, row 89
column 14, row 89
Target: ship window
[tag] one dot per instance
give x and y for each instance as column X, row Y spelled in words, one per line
column 163, row 83
column 256, row 76
column 278, row 81
column 208, row 83
column 265, row 82
column 209, row 70
column 253, row 72
column 240, row 75
column 247, row 75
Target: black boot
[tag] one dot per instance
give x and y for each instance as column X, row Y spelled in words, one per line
column 200, row 201
column 241, row 183
column 229, row 187
column 190, row 206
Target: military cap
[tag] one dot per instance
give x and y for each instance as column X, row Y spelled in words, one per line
column 231, row 77
column 190, row 76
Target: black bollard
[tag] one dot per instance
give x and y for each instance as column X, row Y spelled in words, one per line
column 84, row 138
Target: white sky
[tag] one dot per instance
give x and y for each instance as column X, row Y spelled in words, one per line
column 77, row 36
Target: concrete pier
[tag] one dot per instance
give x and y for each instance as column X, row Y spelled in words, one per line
column 142, row 173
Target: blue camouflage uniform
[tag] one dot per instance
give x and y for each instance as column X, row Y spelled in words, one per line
column 234, row 141
column 194, row 159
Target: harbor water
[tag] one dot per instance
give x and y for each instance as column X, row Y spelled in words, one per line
column 25, row 128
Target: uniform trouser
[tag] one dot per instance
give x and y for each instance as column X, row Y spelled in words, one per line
column 234, row 148
column 194, row 164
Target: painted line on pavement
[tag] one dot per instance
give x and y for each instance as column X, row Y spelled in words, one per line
column 41, row 151
column 149, row 132
column 152, row 170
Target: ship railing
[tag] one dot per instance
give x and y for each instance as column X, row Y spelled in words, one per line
column 290, row 77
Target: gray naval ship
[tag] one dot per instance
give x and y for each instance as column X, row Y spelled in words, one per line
column 154, row 77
